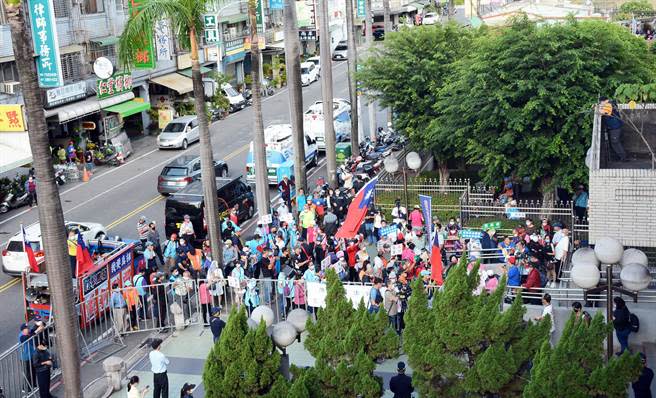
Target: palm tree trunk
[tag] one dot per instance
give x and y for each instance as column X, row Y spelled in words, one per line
column 327, row 95
column 51, row 216
column 352, row 60
column 261, row 181
column 387, row 22
column 208, row 176
column 371, row 111
column 293, row 67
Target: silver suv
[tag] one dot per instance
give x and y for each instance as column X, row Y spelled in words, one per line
column 184, row 170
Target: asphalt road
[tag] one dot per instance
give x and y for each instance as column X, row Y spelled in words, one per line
column 116, row 197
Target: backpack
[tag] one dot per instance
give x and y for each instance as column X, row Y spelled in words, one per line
column 634, row 323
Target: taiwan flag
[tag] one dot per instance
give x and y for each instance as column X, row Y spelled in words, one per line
column 436, row 260
column 357, row 211
column 27, row 248
column 84, row 261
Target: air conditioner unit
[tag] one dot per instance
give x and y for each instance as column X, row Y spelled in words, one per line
column 10, row 87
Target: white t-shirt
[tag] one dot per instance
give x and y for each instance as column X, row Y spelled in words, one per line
column 399, row 213
column 548, row 310
column 561, row 248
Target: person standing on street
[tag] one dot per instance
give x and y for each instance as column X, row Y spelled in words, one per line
column 158, row 365
column 71, row 243
column 621, row 323
column 581, row 203
column 142, row 230
column 548, row 310
column 216, row 323
column 187, row 229
column 30, row 188
column 401, row 384
column 42, row 362
column 153, row 236
column 119, row 310
column 642, row 386
column 133, row 388
column 285, row 188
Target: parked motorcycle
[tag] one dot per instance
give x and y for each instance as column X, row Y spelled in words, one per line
column 14, row 198
column 60, row 177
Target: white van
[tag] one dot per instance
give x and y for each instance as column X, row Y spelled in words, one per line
column 14, row 258
column 235, row 98
column 280, row 153
column 313, row 121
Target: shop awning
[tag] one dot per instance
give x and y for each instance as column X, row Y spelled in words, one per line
column 235, row 19
column 105, row 41
column 14, row 150
column 176, row 82
column 129, row 108
column 80, row 109
column 187, row 72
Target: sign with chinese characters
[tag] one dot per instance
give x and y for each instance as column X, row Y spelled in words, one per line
column 276, row 4
column 117, row 84
column 470, row 234
column 211, row 36
column 11, row 118
column 145, row 54
column 212, row 54
column 361, row 9
column 46, row 47
column 65, row 94
column 491, row 225
column 120, row 262
column 259, row 17
column 163, row 40
column 209, row 21
column 307, row 35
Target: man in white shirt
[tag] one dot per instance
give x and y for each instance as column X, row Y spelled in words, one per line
column 562, row 247
column 158, row 364
column 399, row 213
column 548, row 310
column 187, row 229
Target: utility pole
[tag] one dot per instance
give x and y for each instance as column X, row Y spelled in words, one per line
column 352, row 62
column 261, row 181
column 327, row 94
column 293, row 68
column 388, row 29
column 370, row 39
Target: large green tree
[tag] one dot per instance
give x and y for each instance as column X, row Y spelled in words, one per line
column 635, row 8
column 407, row 73
column 463, row 345
column 521, row 101
column 577, row 368
column 243, row 363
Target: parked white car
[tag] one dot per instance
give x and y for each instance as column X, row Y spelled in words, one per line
column 14, row 259
column 317, row 63
column 179, row 133
column 309, row 73
column 430, row 18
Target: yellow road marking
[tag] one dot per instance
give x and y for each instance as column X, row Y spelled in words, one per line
column 9, row 284
column 135, row 211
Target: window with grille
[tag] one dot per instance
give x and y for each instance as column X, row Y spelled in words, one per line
column 92, row 6
column 96, row 51
column 71, row 66
column 8, row 72
column 61, row 9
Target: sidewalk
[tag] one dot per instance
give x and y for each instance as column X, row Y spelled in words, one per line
column 188, row 349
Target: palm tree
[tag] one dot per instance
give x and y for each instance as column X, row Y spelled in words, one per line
column 293, row 67
column 261, row 181
column 327, row 95
column 352, row 60
column 186, row 18
column 51, row 216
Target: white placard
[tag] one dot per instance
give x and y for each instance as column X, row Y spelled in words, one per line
column 287, row 217
column 355, row 293
column 325, row 263
column 316, row 294
column 397, row 249
column 233, row 282
column 265, row 219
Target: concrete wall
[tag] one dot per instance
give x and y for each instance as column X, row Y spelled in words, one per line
column 623, row 205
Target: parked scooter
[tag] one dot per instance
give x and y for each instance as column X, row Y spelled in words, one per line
column 14, row 198
column 60, row 177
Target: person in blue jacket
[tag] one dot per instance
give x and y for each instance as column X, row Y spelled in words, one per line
column 514, row 275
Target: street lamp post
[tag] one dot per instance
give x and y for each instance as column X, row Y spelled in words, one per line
column 412, row 160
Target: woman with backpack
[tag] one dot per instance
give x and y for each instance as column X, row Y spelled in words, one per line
column 622, row 323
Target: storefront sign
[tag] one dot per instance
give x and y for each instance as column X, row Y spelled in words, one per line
column 163, row 40
column 209, row 21
column 304, row 14
column 184, row 61
column 44, row 34
column 211, row 36
column 164, row 117
column 66, row 94
column 11, row 118
column 212, row 54
column 276, row 4
column 117, row 84
column 307, row 35
column 145, row 55
column 361, row 9
column 259, row 16
column 234, row 50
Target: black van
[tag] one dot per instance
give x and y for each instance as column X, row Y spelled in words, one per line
column 189, row 201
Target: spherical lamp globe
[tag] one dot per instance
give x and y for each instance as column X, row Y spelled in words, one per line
column 635, row 277
column 585, row 255
column 263, row 312
column 298, row 317
column 391, row 164
column 634, row 256
column 284, row 334
column 585, row 276
column 413, row 160
column 609, row 250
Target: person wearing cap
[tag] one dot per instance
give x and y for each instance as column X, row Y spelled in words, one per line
column 158, row 365
column 187, row 229
column 401, row 384
column 142, row 229
column 514, row 274
column 187, row 390
column 171, row 251
column 140, row 283
column 216, row 323
column 416, row 219
column 42, row 363
column 642, row 386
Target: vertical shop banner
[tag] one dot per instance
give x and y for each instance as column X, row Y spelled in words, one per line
column 276, row 4
column 46, row 45
column 11, row 118
column 145, row 56
column 425, row 203
column 360, row 6
column 163, row 40
column 261, row 41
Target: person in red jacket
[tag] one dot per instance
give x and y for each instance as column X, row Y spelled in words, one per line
column 532, row 283
column 351, row 251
